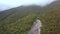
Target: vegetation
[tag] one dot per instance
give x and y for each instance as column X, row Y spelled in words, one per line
column 20, row 19
column 20, row 26
column 51, row 23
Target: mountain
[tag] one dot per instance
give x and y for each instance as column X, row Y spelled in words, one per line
column 20, row 19
column 20, row 10
column 51, row 18
column 53, row 6
column 15, row 20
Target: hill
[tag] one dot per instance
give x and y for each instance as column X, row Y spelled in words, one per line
column 15, row 20
column 51, row 22
column 51, row 19
column 20, row 19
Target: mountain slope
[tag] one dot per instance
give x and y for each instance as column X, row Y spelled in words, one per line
column 19, row 20
column 51, row 22
column 15, row 21
column 19, row 26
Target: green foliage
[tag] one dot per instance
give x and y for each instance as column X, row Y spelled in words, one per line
column 20, row 26
column 51, row 23
column 19, row 20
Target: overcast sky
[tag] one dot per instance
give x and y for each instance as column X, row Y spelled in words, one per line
column 5, row 4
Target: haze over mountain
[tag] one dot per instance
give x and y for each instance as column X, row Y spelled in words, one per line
column 20, row 19
column 7, row 4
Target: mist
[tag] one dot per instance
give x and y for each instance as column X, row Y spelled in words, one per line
column 8, row 4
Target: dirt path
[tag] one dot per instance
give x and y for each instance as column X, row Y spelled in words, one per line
column 36, row 28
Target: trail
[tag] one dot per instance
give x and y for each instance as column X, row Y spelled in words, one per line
column 36, row 28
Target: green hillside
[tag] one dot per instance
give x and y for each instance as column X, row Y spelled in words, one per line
column 51, row 23
column 20, row 19
column 20, row 26
column 51, row 19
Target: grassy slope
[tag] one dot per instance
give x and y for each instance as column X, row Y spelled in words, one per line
column 20, row 22
column 51, row 22
column 21, row 26
column 51, row 19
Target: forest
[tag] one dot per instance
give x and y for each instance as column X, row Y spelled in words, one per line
column 20, row 19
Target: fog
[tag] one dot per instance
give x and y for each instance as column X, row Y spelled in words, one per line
column 7, row 4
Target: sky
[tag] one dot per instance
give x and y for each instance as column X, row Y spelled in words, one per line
column 7, row 4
